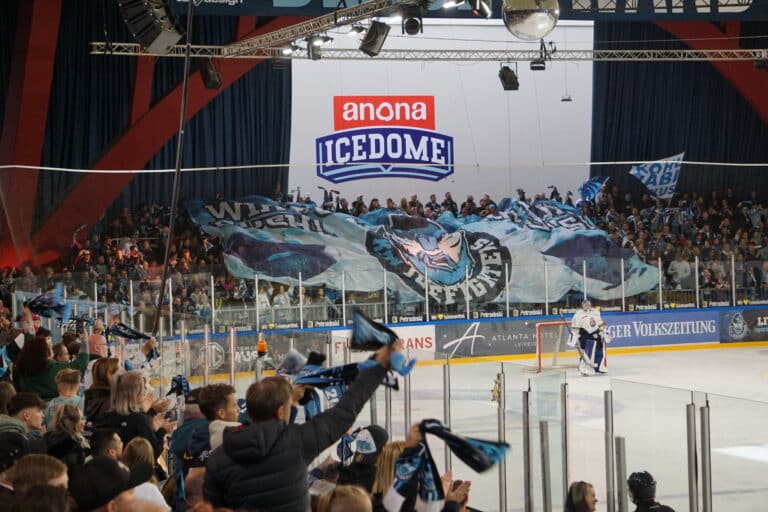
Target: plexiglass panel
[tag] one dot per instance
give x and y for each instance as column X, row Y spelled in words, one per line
column 652, row 419
column 739, row 453
column 546, row 408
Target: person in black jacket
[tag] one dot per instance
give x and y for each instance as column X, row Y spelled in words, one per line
column 642, row 491
column 65, row 440
column 264, row 465
column 134, row 415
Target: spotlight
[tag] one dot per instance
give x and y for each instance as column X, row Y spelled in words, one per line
column 318, row 40
column 374, row 39
column 566, row 98
column 355, row 30
column 412, row 22
column 761, row 64
column 290, row 49
column 412, row 26
column 538, row 65
column 480, row 7
column 450, row 4
column 314, row 52
column 508, row 78
column 314, row 42
column 210, row 75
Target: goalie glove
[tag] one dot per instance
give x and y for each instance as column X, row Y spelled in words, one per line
column 573, row 339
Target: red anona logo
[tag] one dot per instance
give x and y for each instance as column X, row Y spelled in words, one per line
column 361, row 111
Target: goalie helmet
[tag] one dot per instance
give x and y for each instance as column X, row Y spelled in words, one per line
column 586, row 304
column 642, row 486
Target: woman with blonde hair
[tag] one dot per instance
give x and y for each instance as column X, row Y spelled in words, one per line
column 97, row 396
column 139, row 450
column 132, row 415
column 65, row 440
column 385, row 475
column 345, row 498
column 385, row 466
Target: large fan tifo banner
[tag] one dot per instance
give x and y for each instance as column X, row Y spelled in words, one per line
column 457, row 256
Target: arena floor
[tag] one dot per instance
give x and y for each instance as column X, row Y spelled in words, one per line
column 650, row 391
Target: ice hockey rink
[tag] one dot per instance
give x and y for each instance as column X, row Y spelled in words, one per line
column 650, row 393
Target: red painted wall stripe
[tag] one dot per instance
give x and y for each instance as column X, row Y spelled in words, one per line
column 751, row 83
column 29, row 91
column 134, row 148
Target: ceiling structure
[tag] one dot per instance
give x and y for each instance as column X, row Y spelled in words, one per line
column 226, row 52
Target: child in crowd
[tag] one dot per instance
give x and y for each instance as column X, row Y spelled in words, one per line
column 68, row 384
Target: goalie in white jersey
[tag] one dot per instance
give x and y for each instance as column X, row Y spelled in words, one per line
column 589, row 337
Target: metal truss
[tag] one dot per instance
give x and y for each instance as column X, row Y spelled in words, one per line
column 660, row 6
column 342, row 16
column 224, row 52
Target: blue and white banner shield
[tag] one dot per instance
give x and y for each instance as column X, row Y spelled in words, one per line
column 660, row 177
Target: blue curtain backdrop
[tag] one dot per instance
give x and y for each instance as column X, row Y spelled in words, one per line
column 651, row 110
column 90, row 98
column 248, row 123
column 90, row 105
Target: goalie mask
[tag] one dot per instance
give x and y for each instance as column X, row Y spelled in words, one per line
column 586, row 305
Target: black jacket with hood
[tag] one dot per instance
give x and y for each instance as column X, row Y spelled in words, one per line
column 263, row 466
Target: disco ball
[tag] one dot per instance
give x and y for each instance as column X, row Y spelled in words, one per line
column 530, row 20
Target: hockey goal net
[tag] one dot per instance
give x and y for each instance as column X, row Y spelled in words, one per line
column 552, row 350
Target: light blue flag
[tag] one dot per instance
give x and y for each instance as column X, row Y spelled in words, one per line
column 660, row 177
column 591, row 187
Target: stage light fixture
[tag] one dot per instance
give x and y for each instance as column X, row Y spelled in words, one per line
column 450, row 4
column 480, row 7
column 355, row 30
column 290, row 49
column 210, row 75
column 538, row 65
column 412, row 22
column 319, row 40
column 151, row 24
column 314, row 52
column 374, row 39
column 412, row 26
column 761, row 64
column 508, row 78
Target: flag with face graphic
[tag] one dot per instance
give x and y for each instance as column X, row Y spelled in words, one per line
column 451, row 259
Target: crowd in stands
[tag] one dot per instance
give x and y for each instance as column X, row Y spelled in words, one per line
column 713, row 228
column 80, row 432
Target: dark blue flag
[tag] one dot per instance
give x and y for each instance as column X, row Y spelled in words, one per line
column 418, row 463
column 370, row 335
column 50, row 305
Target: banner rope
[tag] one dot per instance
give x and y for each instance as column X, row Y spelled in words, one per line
column 472, row 165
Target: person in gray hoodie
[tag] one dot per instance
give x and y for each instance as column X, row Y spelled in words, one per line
column 263, row 465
